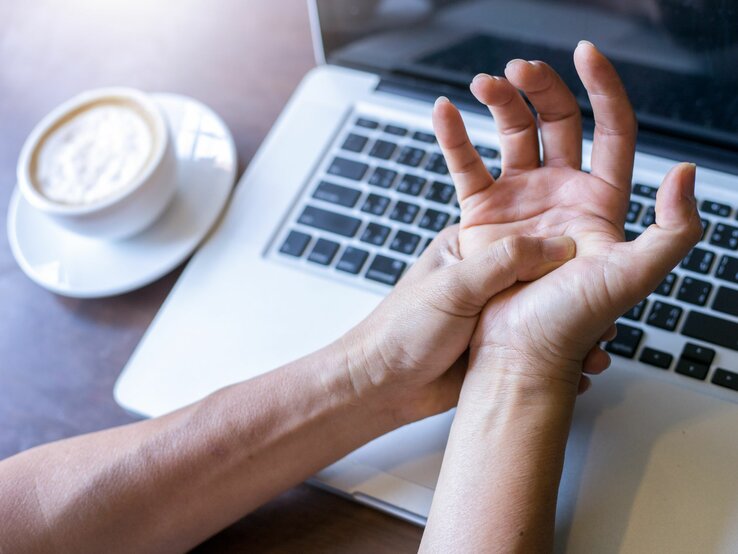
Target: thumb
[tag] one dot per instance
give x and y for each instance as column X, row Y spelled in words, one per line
column 464, row 288
column 664, row 244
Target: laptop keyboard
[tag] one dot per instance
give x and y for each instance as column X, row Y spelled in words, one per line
column 383, row 192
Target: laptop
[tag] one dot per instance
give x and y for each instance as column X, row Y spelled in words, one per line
column 349, row 187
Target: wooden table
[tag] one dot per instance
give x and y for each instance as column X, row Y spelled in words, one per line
column 60, row 357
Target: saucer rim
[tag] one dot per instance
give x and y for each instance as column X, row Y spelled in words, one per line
column 131, row 285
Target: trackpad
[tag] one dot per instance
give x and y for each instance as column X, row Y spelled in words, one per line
column 650, row 467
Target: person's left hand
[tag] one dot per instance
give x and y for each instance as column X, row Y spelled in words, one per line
column 414, row 343
column 554, row 322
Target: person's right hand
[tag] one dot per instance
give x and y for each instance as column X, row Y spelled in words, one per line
column 411, row 348
column 548, row 327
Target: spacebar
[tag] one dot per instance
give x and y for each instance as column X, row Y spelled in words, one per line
column 711, row 329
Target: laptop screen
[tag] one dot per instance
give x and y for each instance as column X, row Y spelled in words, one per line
column 678, row 58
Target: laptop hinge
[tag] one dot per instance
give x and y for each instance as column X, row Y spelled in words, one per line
column 649, row 141
column 427, row 90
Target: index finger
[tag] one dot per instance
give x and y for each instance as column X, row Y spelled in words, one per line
column 613, row 148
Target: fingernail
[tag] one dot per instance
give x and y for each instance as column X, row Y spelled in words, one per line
column 442, row 100
column 480, row 76
column 688, row 190
column 581, row 42
column 558, row 249
column 516, row 60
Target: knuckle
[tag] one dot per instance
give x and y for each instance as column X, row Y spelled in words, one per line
column 509, row 252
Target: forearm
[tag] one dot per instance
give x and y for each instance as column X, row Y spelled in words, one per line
column 169, row 483
column 501, row 471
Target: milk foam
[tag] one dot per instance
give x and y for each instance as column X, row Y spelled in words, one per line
column 94, row 154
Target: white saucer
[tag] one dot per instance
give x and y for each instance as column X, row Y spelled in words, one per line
column 81, row 267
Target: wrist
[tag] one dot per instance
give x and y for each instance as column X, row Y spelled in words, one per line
column 351, row 371
column 383, row 384
column 502, row 375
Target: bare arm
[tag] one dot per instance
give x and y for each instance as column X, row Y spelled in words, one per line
column 169, row 483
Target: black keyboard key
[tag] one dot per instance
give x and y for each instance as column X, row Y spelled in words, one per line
column 395, row 130
column 725, row 236
column 649, row 218
column 367, row 123
column 694, row 291
column 375, row 234
column 355, row 143
column 337, row 194
column 715, row 208
column 634, row 210
column 329, row 221
column 411, row 184
column 440, row 192
column 711, row 329
column 410, row 156
column 627, row 341
column 637, row 311
column 383, row 150
column 457, row 219
column 405, row 212
column 699, row 260
column 667, row 285
column 665, row 316
column 427, row 138
column 375, row 204
column 726, row 301
column 495, row 172
column 348, row 169
column 631, row 235
column 323, row 252
column 405, row 242
column 434, row 220
column 436, row 164
column 295, row 244
column 385, row 270
column 698, row 353
column 725, row 378
column 487, row 152
column 645, row 191
column 352, row 260
column 383, row 178
column 705, row 227
column 728, row 269
column 695, row 370
column 656, row 358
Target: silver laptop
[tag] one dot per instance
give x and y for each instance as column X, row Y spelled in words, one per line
column 349, row 187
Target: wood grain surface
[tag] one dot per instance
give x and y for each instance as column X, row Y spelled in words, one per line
column 60, row 357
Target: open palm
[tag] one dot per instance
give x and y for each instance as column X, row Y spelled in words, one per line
column 563, row 314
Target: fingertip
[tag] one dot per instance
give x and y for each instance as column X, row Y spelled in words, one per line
column 440, row 101
column 689, row 179
column 491, row 91
column 523, row 74
column 558, row 249
column 675, row 200
column 585, row 383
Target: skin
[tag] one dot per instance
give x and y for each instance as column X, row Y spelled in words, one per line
column 533, row 340
column 169, row 483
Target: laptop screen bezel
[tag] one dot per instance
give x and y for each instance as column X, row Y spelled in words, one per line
column 655, row 141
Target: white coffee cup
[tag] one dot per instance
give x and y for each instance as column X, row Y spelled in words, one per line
column 102, row 164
